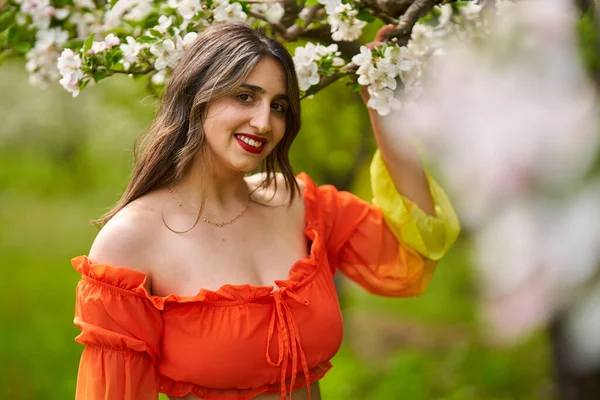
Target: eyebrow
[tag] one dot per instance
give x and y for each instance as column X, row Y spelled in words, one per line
column 258, row 89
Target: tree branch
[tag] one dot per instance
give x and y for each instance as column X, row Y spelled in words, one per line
column 294, row 31
column 277, row 27
column 373, row 6
column 416, row 10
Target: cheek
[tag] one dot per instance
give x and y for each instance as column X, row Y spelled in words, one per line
column 278, row 129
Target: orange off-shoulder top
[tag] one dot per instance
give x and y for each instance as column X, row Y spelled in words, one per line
column 243, row 340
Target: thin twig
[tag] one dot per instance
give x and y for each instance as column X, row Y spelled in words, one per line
column 328, row 80
column 278, row 27
column 144, row 71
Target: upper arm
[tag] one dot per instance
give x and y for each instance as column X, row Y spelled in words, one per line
column 123, row 242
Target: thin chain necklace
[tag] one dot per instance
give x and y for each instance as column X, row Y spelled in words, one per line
column 199, row 216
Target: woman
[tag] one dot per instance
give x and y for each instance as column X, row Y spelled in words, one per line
column 207, row 283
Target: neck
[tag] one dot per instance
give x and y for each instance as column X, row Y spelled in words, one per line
column 223, row 192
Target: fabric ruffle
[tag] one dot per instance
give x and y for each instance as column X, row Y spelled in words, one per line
column 431, row 236
column 180, row 389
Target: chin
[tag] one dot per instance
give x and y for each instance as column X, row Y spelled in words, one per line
column 246, row 166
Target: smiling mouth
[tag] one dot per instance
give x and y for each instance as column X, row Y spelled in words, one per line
column 250, row 145
column 250, row 142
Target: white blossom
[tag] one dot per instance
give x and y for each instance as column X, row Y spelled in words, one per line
column 86, row 23
column 69, row 67
column 41, row 59
column 399, row 59
column 344, row 24
column 338, row 62
column 97, row 47
column 167, row 54
column 305, row 54
column 306, row 59
column 383, row 101
column 85, row 4
column 470, row 11
column 229, row 12
column 159, row 77
column 330, row 5
column 126, row 10
column 131, row 51
column 274, row 13
column 164, row 23
column 188, row 39
column 324, row 51
column 40, row 11
column 52, row 38
column 308, row 75
column 186, row 8
column 111, row 40
column 61, row 13
column 41, row 65
column 364, row 57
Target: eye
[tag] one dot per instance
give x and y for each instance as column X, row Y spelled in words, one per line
column 279, row 108
column 245, row 97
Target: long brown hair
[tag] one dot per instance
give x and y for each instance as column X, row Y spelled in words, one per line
column 213, row 67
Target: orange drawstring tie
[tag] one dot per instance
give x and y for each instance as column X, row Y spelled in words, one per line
column 288, row 340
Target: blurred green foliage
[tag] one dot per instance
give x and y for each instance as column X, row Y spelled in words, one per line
column 64, row 162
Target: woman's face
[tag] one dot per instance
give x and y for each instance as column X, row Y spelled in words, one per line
column 244, row 128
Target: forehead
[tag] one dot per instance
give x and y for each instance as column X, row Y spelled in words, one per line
column 270, row 75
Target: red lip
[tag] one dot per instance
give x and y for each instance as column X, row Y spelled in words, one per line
column 253, row 137
column 248, row 148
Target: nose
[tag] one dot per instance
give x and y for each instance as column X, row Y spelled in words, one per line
column 261, row 119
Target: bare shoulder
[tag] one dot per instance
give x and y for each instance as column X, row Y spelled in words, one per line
column 127, row 238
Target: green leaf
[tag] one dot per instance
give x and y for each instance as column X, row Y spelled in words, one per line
column 12, row 34
column 7, row 18
column 354, row 86
column 117, row 57
column 245, row 6
column 83, row 84
column 22, row 47
column 146, row 39
column 156, row 33
column 365, row 15
column 150, row 21
column 310, row 3
column 87, row 44
column 99, row 75
column 73, row 44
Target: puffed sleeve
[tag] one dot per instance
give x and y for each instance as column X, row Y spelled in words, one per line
column 121, row 329
column 390, row 247
column 431, row 236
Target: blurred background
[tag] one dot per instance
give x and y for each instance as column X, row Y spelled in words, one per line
column 65, row 161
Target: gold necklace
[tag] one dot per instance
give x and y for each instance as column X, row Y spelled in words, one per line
column 217, row 224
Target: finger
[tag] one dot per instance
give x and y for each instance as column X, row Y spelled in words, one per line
column 382, row 33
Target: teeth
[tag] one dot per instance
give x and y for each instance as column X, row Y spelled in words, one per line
column 249, row 141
